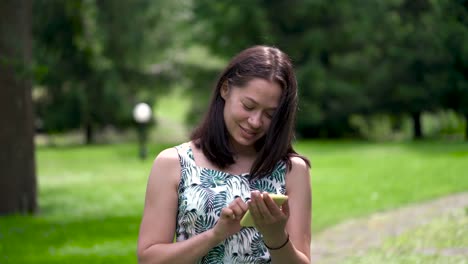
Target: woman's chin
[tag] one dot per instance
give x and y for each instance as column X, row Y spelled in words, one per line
column 243, row 142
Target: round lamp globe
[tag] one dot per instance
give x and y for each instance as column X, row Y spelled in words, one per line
column 142, row 113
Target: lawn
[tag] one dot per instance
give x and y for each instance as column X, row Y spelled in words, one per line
column 91, row 198
column 444, row 240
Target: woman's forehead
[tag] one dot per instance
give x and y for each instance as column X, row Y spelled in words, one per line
column 260, row 91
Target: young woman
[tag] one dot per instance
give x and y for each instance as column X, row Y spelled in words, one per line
column 240, row 153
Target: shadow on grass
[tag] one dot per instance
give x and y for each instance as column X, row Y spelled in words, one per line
column 425, row 147
column 29, row 239
column 456, row 149
column 129, row 149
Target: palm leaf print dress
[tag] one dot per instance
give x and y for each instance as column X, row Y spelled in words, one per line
column 203, row 192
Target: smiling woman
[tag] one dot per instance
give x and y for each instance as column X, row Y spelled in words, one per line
column 248, row 111
column 238, row 158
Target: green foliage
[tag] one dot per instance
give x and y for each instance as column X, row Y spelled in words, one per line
column 394, row 57
column 381, row 127
column 455, row 37
column 384, row 127
column 353, row 57
column 444, row 124
column 97, row 62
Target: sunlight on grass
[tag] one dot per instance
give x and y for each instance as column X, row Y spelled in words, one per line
column 443, row 241
column 115, row 248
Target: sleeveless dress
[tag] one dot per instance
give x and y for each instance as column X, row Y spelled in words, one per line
column 203, row 192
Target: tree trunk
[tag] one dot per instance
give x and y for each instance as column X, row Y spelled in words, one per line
column 417, row 131
column 17, row 162
column 89, row 134
column 466, row 126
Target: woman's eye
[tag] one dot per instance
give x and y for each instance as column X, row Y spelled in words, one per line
column 248, row 107
column 269, row 115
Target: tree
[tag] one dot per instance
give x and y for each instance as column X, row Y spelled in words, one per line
column 415, row 58
column 17, row 163
column 92, row 59
column 425, row 53
column 394, row 57
column 454, row 15
column 325, row 41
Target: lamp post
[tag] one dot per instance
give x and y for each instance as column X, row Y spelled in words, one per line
column 142, row 116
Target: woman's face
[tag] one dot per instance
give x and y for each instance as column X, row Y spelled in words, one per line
column 248, row 110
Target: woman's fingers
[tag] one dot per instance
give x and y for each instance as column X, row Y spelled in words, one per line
column 235, row 210
column 238, row 208
column 254, row 206
column 228, row 213
column 241, row 204
column 264, row 209
column 227, row 224
column 260, row 211
column 272, row 207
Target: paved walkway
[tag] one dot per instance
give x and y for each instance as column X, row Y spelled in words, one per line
column 358, row 235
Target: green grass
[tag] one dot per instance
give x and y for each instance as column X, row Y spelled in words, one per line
column 91, row 201
column 91, row 198
column 442, row 241
column 351, row 179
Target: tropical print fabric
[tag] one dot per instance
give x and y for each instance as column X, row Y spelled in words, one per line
column 203, row 192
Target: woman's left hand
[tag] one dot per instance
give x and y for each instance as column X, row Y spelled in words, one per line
column 269, row 218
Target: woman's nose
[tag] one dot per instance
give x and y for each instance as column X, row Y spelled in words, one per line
column 255, row 120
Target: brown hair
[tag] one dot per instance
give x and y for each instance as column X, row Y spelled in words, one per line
column 268, row 63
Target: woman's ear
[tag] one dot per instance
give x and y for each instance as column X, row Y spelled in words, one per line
column 224, row 90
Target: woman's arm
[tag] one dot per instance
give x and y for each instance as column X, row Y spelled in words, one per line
column 290, row 227
column 298, row 227
column 157, row 229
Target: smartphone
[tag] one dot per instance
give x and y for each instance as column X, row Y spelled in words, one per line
column 247, row 220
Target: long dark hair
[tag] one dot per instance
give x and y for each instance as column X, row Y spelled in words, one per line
column 268, row 63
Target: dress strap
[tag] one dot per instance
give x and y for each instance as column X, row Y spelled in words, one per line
column 185, row 152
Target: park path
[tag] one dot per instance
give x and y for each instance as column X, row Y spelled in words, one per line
column 359, row 235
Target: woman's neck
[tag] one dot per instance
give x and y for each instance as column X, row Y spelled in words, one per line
column 242, row 152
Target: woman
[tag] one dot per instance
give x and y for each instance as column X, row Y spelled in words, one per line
column 241, row 151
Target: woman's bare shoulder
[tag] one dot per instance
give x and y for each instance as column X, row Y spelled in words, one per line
column 299, row 174
column 169, row 155
column 299, row 164
column 166, row 164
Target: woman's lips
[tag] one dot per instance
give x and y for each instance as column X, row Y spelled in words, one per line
column 248, row 133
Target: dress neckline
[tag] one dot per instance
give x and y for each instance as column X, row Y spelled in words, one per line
column 191, row 155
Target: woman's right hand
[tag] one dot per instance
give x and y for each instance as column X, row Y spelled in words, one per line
column 229, row 220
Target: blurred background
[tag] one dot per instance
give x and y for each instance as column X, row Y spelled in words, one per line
column 383, row 111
